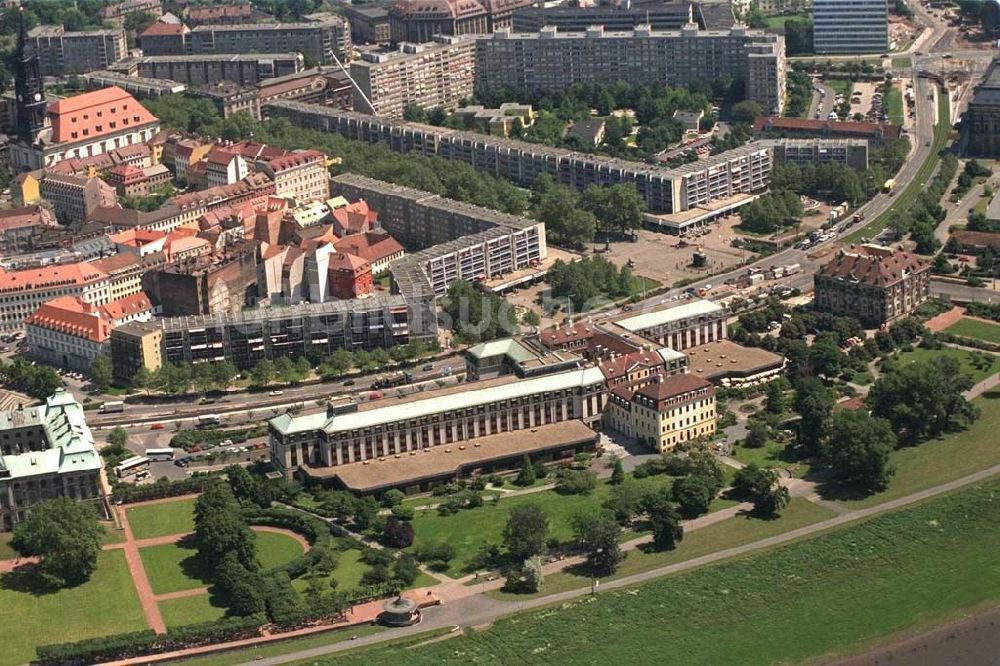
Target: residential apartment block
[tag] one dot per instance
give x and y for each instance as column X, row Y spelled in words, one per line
column 874, row 284
column 440, row 74
column 550, row 60
column 249, row 336
column 47, row 451
column 60, row 52
column 369, row 25
column 319, row 41
column 981, row 125
column 848, row 152
column 74, row 198
column 744, row 170
column 301, row 175
column 659, row 16
column 245, row 69
column 850, row 26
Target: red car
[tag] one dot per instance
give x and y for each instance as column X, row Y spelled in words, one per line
column 156, row 426
column 374, row 396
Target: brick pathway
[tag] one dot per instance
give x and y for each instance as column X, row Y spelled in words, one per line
column 944, row 320
column 135, row 567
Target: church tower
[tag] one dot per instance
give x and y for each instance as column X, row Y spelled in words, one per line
column 30, row 92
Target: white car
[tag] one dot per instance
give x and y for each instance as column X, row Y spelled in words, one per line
column 276, row 393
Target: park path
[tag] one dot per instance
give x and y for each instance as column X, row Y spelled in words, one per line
column 150, row 609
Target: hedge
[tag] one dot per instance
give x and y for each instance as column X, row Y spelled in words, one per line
column 196, row 483
column 142, row 643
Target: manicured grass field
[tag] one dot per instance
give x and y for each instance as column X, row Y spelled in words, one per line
column 112, row 534
column 249, row 655
column 840, row 86
column 174, row 567
column 349, row 571
column 468, row 530
column 941, row 460
column 274, row 549
column 190, row 610
column 768, row 455
column 779, row 21
column 974, row 328
column 894, row 106
column 899, row 64
column 31, row 615
column 727, row 534
column 964, row 358
column 834, row 593
column 154, row 520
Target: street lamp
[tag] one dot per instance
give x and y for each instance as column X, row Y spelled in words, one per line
column 594, row 582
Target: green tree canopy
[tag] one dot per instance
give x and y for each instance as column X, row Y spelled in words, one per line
column 65, row 535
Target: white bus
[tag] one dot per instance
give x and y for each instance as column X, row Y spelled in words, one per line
column 131, row 466
column 113, row 407
column 159, row 454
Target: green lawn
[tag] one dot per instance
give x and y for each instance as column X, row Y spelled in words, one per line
column 349, row 571
column 468, row 530
column 840, row 86
column 191, row 610
column 964, row 358
column 905, row 199
column 174, row 567
column 727, row 534
column 154, row 520
column 941, row 460
column 31, row 615
column 7, row 551
column 274, row 549
column 768, row 455
column 894, row 106
column 975, row 328
column 838, row 592
column 249, row 655
column 111, row 534
column 901, row 63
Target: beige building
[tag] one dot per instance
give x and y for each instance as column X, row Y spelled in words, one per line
column 60, row 52
column 21, row 292
column 133, row 347
column 439, row 74
column 301, row 175
column 679, row 327
column 665, row 412
column 74, row 198
column 552, row 61
column 876, row 285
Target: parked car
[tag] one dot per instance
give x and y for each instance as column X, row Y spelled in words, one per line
column 156, row 426
column 276, row 393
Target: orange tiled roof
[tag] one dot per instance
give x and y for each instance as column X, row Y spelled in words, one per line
column 295, row 159
column 50, row 276
column 872, row 267
column 162, row 29
column 673, row 386
column 133, row 304
column 71, row 316
column 369, row 246
column 95, row 114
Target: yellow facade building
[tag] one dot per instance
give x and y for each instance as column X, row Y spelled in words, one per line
column 665, row 412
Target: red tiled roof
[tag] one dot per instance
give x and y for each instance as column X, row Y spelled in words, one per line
column 134, row 304
column 295, row 159
column 120, row 261
column 71, row 316
column 622, row 365
column 978, row 239
column 556, row 337
column 209, row 14
column 347, row 262
column 834, row 127
column 871, row 266
column 25, row 216
column 46, row 276
column 354, row 218
column 94, row 114
column 674, row 385
column 370, row 246
column 163, row 29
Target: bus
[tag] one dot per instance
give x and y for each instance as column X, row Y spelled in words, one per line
column 113, row 407
column 156, row 455
column 206, row 420
column 131, row 466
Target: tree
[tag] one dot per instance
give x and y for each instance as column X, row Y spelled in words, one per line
column 392, row 498
column 143, row 379
column 65, row 535
column 857, row 449
column 244, row 485
column 406, row 570
column 101, row 373
column 763, row 488
column 923, row 399
column 746, row 111
column 526, row 578
column 526, row 475
column 223, row 373
column 526, row 531
column 336, row 364
column 624, row 501
column 575, row 482
column 757, row 434
column 664, row 520
column 617, row 472
column 598, row 536
column 694, row 494
column 774, row 397
column 220, row 528
column 398, row 533
column 619, row 207
column 530, row 318
column 118, row 437
column 814, row 403
column 263, row 373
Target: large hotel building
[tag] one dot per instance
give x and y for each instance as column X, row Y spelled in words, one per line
column 745, row 170
column 550, row 60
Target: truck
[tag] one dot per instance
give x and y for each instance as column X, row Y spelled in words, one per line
column 792, row 269
column 206, row 420
column 113, row 407
column 397, row 378
column 889, row 185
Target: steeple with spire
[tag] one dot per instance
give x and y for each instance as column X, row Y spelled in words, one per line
column 29, row 90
